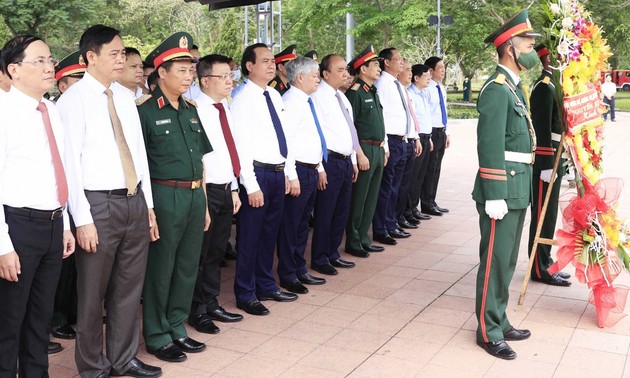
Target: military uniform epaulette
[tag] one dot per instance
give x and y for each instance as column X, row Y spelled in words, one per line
column 500, row 79
column 273, row 83
column 547, row 80
column 143, row 99
column 190, row 101
column 355, row 87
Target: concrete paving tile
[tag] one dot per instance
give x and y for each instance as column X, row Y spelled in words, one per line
column 252, row 366
column 431, row 333
column 384, row 366
column 366, row 289
column 395, row 309
column 402, row 271
column 441, row 316
column 238, row 340
column 211, row 360
column 475, row 361
column 353, row 303
column 338, row 317
column 432, row 370
column 454, row 303
column 417, row 351
column 606, row 364
column 311, row 332
column 548, row 333
column 286, row 349
column 436, row 275
column 437, row 287
column 378, row 324
column 304, row 371
column 335, row 359
column 520, row 368
column 269, row 325
column 358, row 340
column 411, row 296
column 600, row 340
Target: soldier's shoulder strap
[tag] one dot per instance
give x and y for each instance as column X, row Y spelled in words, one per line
column 355, row 87
column 500, row 79
column 143, row 99
column 273, row 83
column 190, row 101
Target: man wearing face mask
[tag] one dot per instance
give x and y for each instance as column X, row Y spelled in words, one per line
column 502, row 191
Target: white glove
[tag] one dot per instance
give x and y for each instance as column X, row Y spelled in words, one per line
column 545, row 175
column 496, row 209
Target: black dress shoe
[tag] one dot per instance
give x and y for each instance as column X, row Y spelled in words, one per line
column 294, row 287
column 432, row 211
column 554, row 280
column 54, row 347
column 203, row 323
column 308, row 279
column 188, row 345
column 339, row 263
column 278, row 296
column 399, row 234
column 253, row 307
column 63, row 332
column 385, row 239
column 358, row 252
column 220, row 315
column 441, row 209
column 563, row 275
column 418, row 215
column 499, row 349
column 403, row 223
column 411, row 219
column 373, row 248
column 516, row 334
column 138, row 368
column 169, row 352
column 326, row 269
column 103, row 375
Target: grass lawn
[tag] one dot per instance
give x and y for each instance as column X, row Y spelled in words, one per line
column 622, row 101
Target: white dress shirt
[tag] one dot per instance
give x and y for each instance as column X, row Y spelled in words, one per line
column 394, row 112
column 421, row 109
column 193, row 91
column 332, row 121
column 92, row 154
column 609, row 89
column 303, row 139
column 217, row 164
column 433, row 99
column 27, row 174
column 256, row 137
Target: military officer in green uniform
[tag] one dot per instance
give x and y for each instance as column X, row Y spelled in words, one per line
column 371, row 158
column 281, row 81
column 548, row 127
column 502, row 190
column 175, row 142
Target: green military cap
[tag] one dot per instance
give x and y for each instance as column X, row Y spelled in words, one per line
column 518, row 25
column 364, row 56
column 541, row 50
column 72, row 65
column 311, row 54
column 175, row 47
column 286, row 55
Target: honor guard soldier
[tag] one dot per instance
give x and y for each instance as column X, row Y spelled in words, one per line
column 281, row 81
column 548, row 127
column 67, row 72
column 175, row 142
column 313, row 55
column 502, row 190
column 368, row 120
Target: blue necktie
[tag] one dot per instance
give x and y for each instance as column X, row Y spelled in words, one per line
column 319, row 130
column 282, row 141
column 442, row 105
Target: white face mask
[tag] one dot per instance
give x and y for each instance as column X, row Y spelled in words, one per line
column 237, row 74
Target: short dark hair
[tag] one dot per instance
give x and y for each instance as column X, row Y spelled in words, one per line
column 387, row 53
column 432, row 62
column 13, row 51
column 152, row 79
column 94, row 38
column 418, row 70
column 147, row 64
column 194, row 47
column 325, row 64
column 132, row 51
column 249, row 55
column 205, row 64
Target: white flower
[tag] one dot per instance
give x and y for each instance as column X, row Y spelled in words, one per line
column 555, row 8
column 567, row 23
column 563, row 48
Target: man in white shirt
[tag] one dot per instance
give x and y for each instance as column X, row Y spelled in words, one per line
column 132, row 77
column 332, row 203
column 112, row 207
column 397, row 126
column 608, row 91
column 34, row 227
column 307, row 147
column 420, row 81
column 436, row 97
column 259, row 112
column 222, row 167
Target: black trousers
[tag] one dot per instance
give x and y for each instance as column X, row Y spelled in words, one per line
column 27, row 305
column 434, row 167
column 418, row 175
column 407, row 179
column 215, row 240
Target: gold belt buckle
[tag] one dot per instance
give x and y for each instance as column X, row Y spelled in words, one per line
column 195, row 184
column 382, row 143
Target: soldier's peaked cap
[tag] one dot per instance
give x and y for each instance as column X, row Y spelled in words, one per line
column 175, row 47
column 541, row 50
column 518, row 25
column 286, row 55
column 71, row 65
column 311, row 54
column 363, row 57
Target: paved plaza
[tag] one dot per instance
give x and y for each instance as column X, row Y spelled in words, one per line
column 409, row 311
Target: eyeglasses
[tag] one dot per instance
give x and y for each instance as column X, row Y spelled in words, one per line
column 41, row 62
column 223, row 76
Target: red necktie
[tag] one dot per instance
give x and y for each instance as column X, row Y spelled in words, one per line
column 229, row 140
column 60, row 175
column 412, row 112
